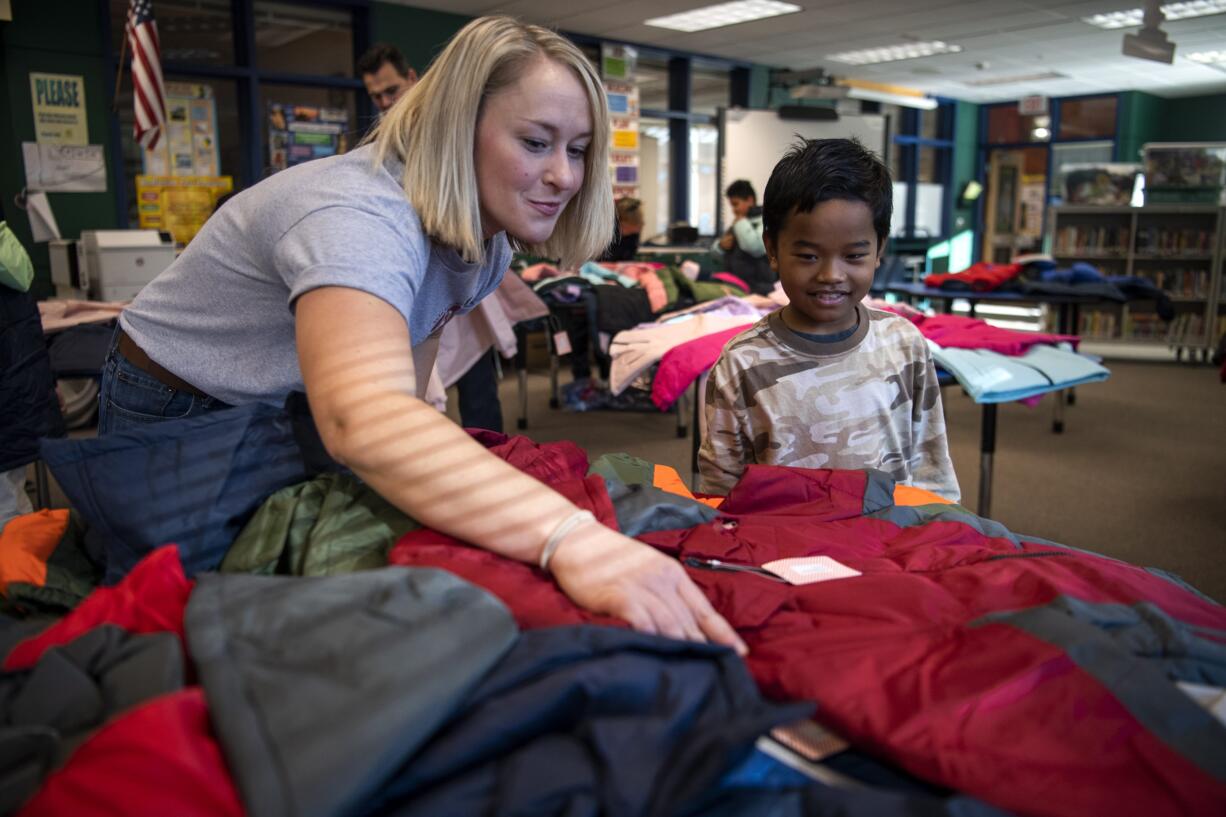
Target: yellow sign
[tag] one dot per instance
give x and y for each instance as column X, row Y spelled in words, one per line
column 59, row 109
column 179, row 204
column 626, row 139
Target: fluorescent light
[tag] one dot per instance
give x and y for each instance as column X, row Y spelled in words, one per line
column 723, row 14
column 893, row 53
column 1208, row 57
column 1015, row 78
column 906, row 100
column 1171, row 11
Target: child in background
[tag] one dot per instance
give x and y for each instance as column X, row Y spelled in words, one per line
column 825, row 382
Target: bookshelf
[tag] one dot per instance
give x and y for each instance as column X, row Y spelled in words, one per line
column 1180, row 248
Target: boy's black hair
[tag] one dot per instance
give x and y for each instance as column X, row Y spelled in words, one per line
column 818, row 170
column 741, row 189
column 380, row 53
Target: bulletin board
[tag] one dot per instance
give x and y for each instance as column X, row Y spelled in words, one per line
column 751, row 142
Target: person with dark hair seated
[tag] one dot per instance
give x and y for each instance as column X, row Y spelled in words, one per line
column 743, row 253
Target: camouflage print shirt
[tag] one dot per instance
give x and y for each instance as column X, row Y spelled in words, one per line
column 870, row 401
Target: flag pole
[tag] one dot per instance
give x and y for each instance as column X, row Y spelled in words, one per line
column 123, row 52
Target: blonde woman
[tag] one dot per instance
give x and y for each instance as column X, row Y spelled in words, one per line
column 337, row 275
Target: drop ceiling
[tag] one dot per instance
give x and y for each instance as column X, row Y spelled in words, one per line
column 1003, row 42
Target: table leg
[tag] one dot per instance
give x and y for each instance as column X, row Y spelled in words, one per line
column 521, row 375
column 987, row 449
column 695, row 442
column 1057, row 418
column 682, row 408
column 42, row 488
column 554, row 400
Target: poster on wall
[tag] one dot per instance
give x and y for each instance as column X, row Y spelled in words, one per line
column 618, row 65
column 59, row 109
column 190, row 147
column 178, row 204
column 1034, row 191
column 299, row 133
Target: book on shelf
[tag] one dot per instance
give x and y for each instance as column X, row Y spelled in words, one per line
column 1143, row 326
column 1187, row 328
column 1181, row 282
column 1173, row 241
column 1097, row 324
column 1089, row 240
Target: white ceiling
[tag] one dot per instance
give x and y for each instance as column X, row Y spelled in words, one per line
column 999, row 38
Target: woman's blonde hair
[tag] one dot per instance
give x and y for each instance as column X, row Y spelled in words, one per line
column 433, row 127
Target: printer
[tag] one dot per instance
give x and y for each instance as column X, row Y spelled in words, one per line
column 109, row 265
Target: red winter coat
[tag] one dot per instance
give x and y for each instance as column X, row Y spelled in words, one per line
column 981, row 662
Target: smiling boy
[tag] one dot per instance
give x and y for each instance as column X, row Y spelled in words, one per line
column 825, row 382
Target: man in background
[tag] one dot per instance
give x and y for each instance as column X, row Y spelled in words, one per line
column 386, row 74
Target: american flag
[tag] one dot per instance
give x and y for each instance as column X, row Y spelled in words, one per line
column 148, row 91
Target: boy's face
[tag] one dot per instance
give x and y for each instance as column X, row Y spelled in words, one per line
column 825, row 259
column 740, row 206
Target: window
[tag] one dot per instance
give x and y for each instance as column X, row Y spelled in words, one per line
column 303, row 123
column 1088, row 118
column 652, row 78
column 920, row 164
column 186, row 149
column 654, row 176
column 303, row 39
column 704, row 191
column 709, row 91
column 194, row 31
column 210, row 130
column 1006, row 126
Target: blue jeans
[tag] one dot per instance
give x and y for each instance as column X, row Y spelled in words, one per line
column 131, row 398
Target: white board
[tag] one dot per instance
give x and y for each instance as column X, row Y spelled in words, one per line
column 752, row 142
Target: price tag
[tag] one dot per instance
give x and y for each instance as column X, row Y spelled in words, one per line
column 809, row 569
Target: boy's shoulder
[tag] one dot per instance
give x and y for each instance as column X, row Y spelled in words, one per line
column 890, row 327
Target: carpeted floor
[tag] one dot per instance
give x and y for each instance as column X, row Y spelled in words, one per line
column 1138, row 474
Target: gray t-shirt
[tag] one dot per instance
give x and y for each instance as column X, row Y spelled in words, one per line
column 221, row 316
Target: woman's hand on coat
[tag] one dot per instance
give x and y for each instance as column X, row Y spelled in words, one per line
column 606, row 572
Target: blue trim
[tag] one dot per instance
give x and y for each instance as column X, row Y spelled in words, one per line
column 679, row 87
column 249, row 119
column 1115, row 147
column 114, row 137
column 697, row 118
column 923, row 141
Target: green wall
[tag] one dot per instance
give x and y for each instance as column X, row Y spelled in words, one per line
column 1194, row 119
column 966, row 162
column 1141, row 117
column 419, row 33
column 42, row 38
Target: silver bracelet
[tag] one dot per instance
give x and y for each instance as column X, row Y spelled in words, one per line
column 559, row 533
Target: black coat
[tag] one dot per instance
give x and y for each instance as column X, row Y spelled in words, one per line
column 29, row 409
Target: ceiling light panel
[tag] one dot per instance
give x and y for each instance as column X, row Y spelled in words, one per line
column 894, row 53
column 1014, row 79
column 1171, row 11
column 723, row 14
column 1209, row 57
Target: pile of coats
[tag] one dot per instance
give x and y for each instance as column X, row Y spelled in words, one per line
column 304, row 648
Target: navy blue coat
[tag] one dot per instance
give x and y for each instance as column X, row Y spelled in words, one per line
column 29, row 409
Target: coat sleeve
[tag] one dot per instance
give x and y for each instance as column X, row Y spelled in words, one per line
column 748, row 233
column 726, row 448
column 931, row 467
